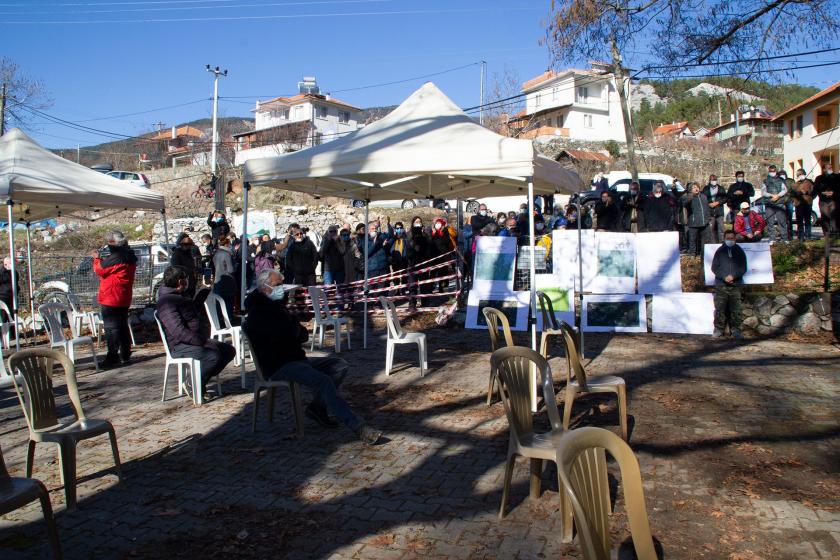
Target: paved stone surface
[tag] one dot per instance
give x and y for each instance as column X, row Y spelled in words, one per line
column 738, row 444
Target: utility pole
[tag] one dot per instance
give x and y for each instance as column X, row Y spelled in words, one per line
column 619, row 77
column 3, row 110
column 220, row 196
column 160, row 125
column 78, row 153
column 483, row 79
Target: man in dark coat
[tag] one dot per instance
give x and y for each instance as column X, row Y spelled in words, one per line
column 607, row 213
column 739, row 191
column 218, row 225
column 277, row 337
column 185, row 254
column 729, row 266
column 478, row 221
column 827, row 187
column 302, row 258
column 332, row 257
column 187, row 329
column 632, row 205
column 659, row 210
column 697, row 219
column 6, row 289
column 717, row 197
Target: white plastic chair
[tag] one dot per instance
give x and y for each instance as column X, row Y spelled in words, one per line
column 397, row 336
column 80, row 317
column 323, row 317
column 7, row 320
column 179, row 363
column 5, row 375
column 222, row 327
column 51, row 315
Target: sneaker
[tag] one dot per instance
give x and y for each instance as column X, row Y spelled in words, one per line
column 321, row 417
column 717, row 334
column 368, row 434
column 736, row 333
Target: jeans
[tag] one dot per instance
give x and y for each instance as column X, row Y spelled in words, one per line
column 776, row 216
column 214, row 356
column 697, row 238
column 803, row 221
column 716, row 229
column 322, row 376
column 117, row 335
column 333, row 277
column 727, row 306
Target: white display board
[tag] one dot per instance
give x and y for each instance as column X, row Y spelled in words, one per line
column 495, row 258
column 688, row 313
column 564, row 247
column 257, row 222
column 514, row 305
column 658, row 262
column 759, row 263
column 615, row 261
column 562, row 299
column 614, row 313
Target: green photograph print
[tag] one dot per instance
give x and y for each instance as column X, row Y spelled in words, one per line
column 613, row 313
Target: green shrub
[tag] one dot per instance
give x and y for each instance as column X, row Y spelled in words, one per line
column 613, row 148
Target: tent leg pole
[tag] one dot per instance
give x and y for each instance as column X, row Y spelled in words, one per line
column 367, row 253
column 533, row 287
column 9, row 206
column 165, row 229
column 580, row 276
column 29, row 276
column 243, row 248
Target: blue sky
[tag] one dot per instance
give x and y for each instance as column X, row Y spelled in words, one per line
column 127, row 62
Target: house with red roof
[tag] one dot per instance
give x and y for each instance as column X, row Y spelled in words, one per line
column 290, row 123
column 573, row 103
column 811, row 132
column 678, row 130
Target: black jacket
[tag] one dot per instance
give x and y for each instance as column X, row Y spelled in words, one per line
column 184, row 257
column 276, row 336
column 6, row 284
column 830, row 183
column 302, row 257
column 659, row 213
column 729, row 261
column 698, row 210
column 478, row 222
column 332, row 254
column 217, row 229
column 182, row 320
column 609, row 217
column 628, row 203
column 735, row 200
column 721, row 197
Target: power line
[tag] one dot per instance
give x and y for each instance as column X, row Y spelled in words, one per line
column 746, row 72
column 737, row 61
column 409, row 79
column 214, row 7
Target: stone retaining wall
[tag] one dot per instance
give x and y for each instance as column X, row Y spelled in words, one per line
column 807, row 313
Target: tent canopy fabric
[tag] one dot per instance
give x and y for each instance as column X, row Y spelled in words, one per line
column 426, row 147
column 44, row 185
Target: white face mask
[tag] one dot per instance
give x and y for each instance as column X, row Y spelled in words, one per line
column 730, row 242
column 800, row 177
column 657, row 195
column 828, row 171
column 277, row 293
column 772, row 173
column 539, row 227
column 739, row 179
column 713, row 183
column 438, row 226
column 483, row 212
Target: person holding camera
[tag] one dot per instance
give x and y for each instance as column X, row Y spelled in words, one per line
column 116, row 268
column 218, row 224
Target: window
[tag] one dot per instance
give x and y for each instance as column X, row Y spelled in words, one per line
column 790, row 128
column 799, row 126
column 555, row 93
column 319, row 138
column 583, row 94
column 559, row 121
column 824, row 120
column 538, row 99
column 321, row 112
column 299, row 113
column 587, row 121
column 344, row 117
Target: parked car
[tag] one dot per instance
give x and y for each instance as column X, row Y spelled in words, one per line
column 136, row 179
column 407, row 203
column 619, row 181
column 102, row 167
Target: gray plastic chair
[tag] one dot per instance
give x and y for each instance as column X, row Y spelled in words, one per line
column 260, row 383
column 583, row 470
column 513, row 367
column 550, row 325
column 582, row 384
column 493, row 317
column 16, row 492
column 35, row 367
column 51, row 314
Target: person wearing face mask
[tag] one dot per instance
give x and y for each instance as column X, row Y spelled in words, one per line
column 183, row 255
column 501, row 220
column 187, row 329
column 276, row 338
column 802, row 196
column 558, row 219
column 729, row 266
column 332, row 256
column 827, row 186
column 399, row 250
column 717, row 197
column 774, row 197
column 697, row 219
column 599, row 183
column 739, row 192
column 351, row 255
column 749, row 226
column 6, row 292
column 789, row 184
column 302, row 258
column 607, row 215
column 522, row 218
column 218, row 225
column 478, row 221
column 418, row 252
column 378, row 245
column 659, row 209
column 632, row 205
column 442, row 243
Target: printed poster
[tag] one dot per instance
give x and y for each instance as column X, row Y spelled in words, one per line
column 258, row 224
column 688, row 313
column 658, row 262
column 614, row 313
column 495, row 258
column 759, row 263
column 515, row 306
column 562, row 299
column 565, row 267
column 616, row 263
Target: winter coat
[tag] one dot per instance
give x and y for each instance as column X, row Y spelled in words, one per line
column 774, row 186
column 378, row 255
column 223, row 262
column 6, row 293
column 419, row 250
column 183, row 321
column 756, row 223
column 274, row 334
column 680, row 212
column 183, row 257
column 352, row 258
column 632, row 210
column 217, row 229
column 830, row 183
column 697, row 207
column 263, row 261
column 720, row 197
column 659, row 213
column 735, row 200
column 803, row 193
column 332, row 253
column 609, row 217
column 399, row 253
column 116, row 273
column 478, row 222
column 302, row 258
column 729, row 261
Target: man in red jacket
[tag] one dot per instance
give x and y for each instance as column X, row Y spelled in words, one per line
column 116, row 273
column 748, row 226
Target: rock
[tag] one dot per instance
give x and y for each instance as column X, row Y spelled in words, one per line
column 793, row 298
column 778, row 303
column 60, row 229
column 779, row 321
column 827, row 325
column 751, row 322
column 139, row 228
column 808, row 323
column 763, row 306
column 787, row 311
column 763, row 329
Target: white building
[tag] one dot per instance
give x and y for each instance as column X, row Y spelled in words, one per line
column 576, row 104
column 287, row 124
column 811, row 132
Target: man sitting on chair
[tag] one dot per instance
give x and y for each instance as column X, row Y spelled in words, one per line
column 277, row 340
column 187, row 328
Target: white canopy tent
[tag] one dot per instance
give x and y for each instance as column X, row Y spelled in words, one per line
column 426, row 147
column 36, row 184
